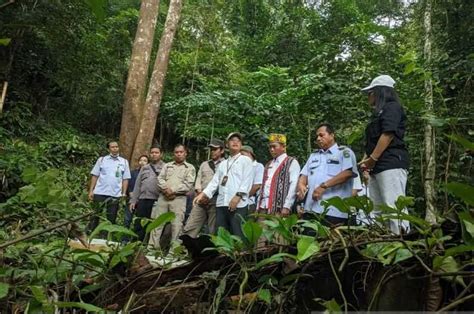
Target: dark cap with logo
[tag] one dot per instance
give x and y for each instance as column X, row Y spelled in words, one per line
column 216, row 143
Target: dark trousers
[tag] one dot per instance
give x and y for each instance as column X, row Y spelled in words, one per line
column 111, row 204
column 142, row 210
column 231, row 220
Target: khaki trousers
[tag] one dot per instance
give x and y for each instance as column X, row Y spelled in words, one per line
column 177, row 206
column 198, row 217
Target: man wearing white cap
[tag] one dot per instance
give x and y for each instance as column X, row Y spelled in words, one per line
column 233, row 179
column 386, row 156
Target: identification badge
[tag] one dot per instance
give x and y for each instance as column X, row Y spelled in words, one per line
column 224, row 180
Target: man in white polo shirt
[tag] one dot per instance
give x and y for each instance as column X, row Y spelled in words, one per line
column 234, row 179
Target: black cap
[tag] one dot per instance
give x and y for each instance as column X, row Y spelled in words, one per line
column 216, row 143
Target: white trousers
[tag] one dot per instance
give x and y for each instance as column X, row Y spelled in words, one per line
column 385, row 188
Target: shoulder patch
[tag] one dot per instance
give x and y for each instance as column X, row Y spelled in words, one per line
column 346, row 153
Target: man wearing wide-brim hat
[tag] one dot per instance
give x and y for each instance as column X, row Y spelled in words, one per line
column 205, row 212
column 233, row 179
column 280, row 179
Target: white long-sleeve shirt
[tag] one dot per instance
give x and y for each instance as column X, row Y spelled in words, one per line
column 240, row 174
column 294, row 175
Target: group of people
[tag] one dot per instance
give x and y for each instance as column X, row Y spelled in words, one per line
column 228, row 189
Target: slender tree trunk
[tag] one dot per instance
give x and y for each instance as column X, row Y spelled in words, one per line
column 430, row 137
column 155, row 89
column 137, row 75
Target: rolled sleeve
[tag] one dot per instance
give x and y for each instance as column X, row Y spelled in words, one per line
column 96, row 170
column 304, row 171
column 126, row 173
column 248, row 175
column 348, row 162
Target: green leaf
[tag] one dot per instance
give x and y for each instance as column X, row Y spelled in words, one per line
column 4, row 287
column 332, row 306
column 161, row 220
column 461, row 140
column 264, row 294
column 5, row 41
column 469, row 227
column 252, row 232
column 85, row 306
column 307, row 247
column 447, row 264
column 401, row 255
column 275, row 258
column 337, row 202
column 39, row 294
column 459, row 249
column 463, row 191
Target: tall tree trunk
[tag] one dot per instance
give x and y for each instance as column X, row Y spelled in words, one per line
column 137, row 75
column 430, row 193
column 155, row 89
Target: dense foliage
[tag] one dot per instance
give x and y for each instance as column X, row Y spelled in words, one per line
column 257, row 66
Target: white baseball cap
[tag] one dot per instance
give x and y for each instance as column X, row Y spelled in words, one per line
column 382, row 80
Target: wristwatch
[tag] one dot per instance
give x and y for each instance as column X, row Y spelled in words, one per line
column 324, row 185
column 240, row 194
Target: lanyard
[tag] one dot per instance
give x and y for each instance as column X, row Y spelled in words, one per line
column 231, row 164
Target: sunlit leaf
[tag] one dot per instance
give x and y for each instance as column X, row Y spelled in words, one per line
column 161, row 220
column 264, row 294
column 307, row 247
column 252, row 232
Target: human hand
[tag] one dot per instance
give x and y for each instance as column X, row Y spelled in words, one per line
column 285, row 212
column 234, row 202
column 301, row 193
column 318, row 193
column 367, row 164
column 90, row 196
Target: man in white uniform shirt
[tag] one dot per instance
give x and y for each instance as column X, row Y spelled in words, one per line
column 234, row 179
column 280, row 179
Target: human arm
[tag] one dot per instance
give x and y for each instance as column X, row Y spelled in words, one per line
column 92, row 187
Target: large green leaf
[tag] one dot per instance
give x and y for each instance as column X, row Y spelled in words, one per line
column 252, row 232
column 85, row 306
column 307, row 247
column 337, row 202
column 161, row 220
column 4, row 287
column 463, row 191
column 447, row 264
column 112, row 229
